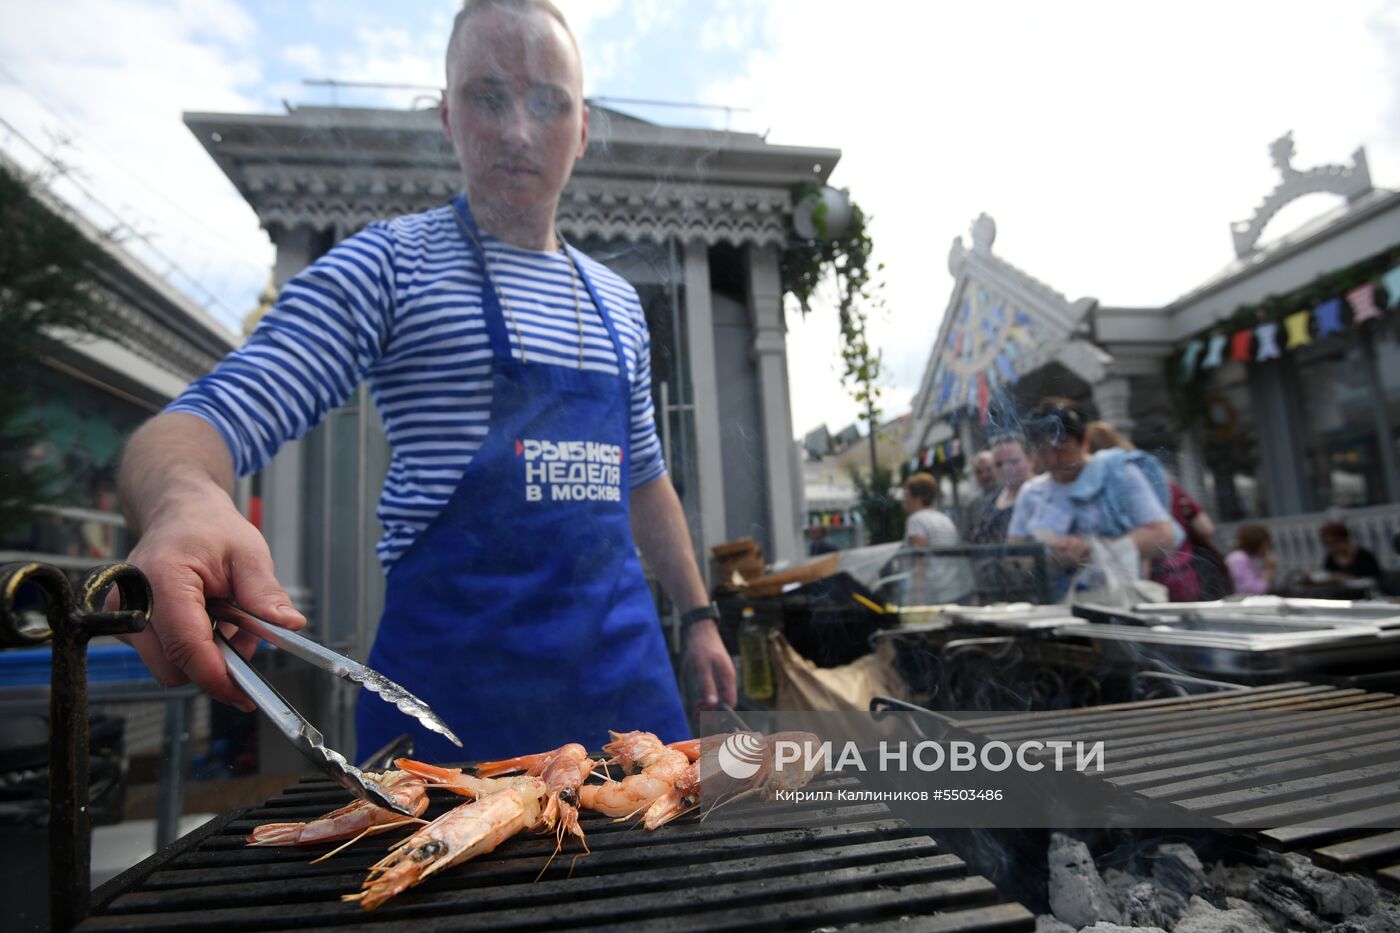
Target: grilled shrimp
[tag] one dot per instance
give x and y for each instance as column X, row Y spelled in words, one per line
column 704, row 775
column 353, row 820
column 658, row 768
column 458, row 835
column 563, row 771
column 453, row 779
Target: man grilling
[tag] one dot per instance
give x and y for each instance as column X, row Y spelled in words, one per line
column 512, row 373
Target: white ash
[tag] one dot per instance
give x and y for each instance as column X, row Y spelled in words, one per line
column 1167, row 888
column 1202, row 917
column 1045, row 923
column 1078, row 895
column 1147, row 905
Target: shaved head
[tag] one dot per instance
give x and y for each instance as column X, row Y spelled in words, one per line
column 520, row 7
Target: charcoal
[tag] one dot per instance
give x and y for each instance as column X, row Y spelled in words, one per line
column 1287, row 900
column 1147, row 905
column 1327, row 894
column 1078, row 895
column 1176, row 867
column 1118, row 883
column 1384, row 919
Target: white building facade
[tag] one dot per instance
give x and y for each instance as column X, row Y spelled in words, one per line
column 1273, row 389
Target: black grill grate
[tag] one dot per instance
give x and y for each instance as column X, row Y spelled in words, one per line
column 1315, row 763
column 844, row 867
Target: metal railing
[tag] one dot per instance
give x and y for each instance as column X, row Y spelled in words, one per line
column 1296, row 543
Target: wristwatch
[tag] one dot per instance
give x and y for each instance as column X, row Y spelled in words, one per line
column 708, row 611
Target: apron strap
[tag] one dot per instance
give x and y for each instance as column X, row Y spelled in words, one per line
column 492, row 309
column 575, row 257
column 492, row 312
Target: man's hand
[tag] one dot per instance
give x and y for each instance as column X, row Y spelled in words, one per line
column 1069, row 550
column 709, row 666
column 196, row 547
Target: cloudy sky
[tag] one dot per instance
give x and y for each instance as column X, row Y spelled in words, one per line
column 1113, row 143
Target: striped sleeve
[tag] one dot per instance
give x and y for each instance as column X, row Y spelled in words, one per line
column 647, row 460
column 308, row 353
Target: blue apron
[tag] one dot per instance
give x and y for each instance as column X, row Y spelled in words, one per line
column 521, row 614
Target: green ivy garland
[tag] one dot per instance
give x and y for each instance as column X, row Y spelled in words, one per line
column 806, row 263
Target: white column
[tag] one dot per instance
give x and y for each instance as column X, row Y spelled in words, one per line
column 1190, row 467
column 770, row 355
column 704, row 386
column 1112, row 396
column 284, row 512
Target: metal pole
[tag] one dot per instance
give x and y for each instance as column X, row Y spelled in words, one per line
column 73, row 619
column 70, row 838
column 170, row 791
column 874, row 450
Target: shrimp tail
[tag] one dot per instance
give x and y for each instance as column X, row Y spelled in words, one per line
column 690, row 748
column 526, row 763
column 453, row 779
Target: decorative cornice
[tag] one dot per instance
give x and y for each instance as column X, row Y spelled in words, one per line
column 339, row 169
column 346, row 198
column 1350, row 182
column 992, row 305
column 636, row 210
column 992, row 268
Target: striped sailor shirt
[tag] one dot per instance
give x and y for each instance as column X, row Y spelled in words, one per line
column 399, row 306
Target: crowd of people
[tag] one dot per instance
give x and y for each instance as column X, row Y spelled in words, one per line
column 1062, row 479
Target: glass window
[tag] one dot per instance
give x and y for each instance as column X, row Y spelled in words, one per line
column 81, row 432
column 1341, row 461
column 1233, row 477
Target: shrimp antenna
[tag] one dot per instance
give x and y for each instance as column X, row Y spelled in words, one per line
column 370, row 831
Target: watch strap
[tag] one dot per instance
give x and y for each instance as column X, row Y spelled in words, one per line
column 699, row 614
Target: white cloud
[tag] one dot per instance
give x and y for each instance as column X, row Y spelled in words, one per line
column 305, row 56
column 1112, row 143
column 116, row 79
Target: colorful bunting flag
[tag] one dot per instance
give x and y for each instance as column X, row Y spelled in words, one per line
column 1215, row 351
column 1189, row 357
column 1297, row 326
column 1329, row 317
column 1240, row 345
column 1391, row 283
column 1264, row 340
column 1268, row 342
column 1363, row 303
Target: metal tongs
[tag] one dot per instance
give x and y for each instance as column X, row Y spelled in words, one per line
column 292, row 724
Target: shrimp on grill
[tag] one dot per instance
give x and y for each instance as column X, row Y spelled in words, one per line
column 657, row 769
column 458, row 835
column 453, row 779
column 563, row 771
column 704, row 775
column 358, row 819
